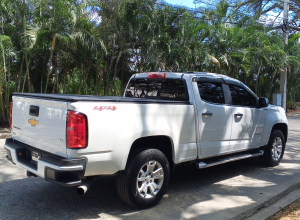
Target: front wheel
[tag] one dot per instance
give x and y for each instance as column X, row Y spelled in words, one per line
column 144, row 182
column 275, row 149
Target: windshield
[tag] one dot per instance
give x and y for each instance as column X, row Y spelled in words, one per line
column 167, row 89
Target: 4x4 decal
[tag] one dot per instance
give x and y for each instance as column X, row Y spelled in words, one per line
column 100, row 108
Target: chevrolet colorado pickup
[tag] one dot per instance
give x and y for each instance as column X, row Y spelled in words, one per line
column 164, row 119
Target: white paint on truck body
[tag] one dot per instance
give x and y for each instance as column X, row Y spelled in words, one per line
column 50, row 133
column 112, row 133
column 273, row 115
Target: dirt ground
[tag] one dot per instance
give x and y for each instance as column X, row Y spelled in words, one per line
column 297, row 109
column 290, row 212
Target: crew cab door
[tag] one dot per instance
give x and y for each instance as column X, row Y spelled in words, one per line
column 214, row 116
column 247, row 119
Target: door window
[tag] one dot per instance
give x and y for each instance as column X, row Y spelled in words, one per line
column 241, row 96
column 211, row 92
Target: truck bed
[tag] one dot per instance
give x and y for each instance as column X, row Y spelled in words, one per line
column 75, row 98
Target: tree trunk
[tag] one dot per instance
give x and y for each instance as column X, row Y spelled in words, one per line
column 20, row 73
column 98, row 78
column 4, row 63
column 7, row 91
column 64, row 85
column 1, row 98
column 54, row 84
column 115, row 71
column 51, row 62
column 81, row 76
column 257, row 77
column 142, row 62
column 97, row 84
column 57, row 82
column 108, row 83
column 1, row 105
column 53, row 76
column 26, row 74
column 86, row 77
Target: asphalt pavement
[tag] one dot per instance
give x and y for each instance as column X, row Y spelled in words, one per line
column 229, row 191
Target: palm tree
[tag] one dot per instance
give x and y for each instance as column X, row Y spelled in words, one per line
column 6, row 51
column 68, row 28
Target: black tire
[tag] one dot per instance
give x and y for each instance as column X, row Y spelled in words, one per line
column 127, row 185
column 268, row 158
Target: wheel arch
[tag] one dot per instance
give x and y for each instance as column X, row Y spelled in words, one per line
column 283, row 128
column 160, row 142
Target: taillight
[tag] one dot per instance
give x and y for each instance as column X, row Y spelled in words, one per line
column 76, row 130
column 156, row 75
column 10, row 115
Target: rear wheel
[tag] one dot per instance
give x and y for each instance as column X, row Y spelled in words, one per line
column 275, row 149
column 144, row 182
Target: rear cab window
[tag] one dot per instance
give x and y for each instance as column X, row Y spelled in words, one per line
column 163, row 89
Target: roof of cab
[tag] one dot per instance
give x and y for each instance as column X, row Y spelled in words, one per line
column 173, row 75
column 180, row 75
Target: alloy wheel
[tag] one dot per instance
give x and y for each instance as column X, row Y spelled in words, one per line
column 150, row 179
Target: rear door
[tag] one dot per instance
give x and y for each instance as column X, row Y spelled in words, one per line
column 40, row 123
column 214, row 116
column 247, row 119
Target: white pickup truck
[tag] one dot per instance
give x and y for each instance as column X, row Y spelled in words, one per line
column 164, row 119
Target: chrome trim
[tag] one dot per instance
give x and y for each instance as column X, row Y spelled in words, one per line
column 202, row 165
column 42, row 164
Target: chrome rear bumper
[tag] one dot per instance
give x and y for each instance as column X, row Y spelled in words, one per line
column 68, row 172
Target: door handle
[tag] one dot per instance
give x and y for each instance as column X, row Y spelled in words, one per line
column 207, row 114
column 238, row 115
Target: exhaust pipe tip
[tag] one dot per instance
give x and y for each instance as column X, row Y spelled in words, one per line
column 81, row 190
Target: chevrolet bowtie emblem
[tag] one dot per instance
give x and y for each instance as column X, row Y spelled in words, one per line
column 33, row 122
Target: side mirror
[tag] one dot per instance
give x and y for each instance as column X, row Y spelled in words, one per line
column 263, row 102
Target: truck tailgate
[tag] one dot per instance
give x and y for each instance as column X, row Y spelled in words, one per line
column 40, row 123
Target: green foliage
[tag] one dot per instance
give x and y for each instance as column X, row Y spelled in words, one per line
column 94, row 47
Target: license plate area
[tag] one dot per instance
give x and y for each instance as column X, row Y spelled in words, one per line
column 25, row 157
column 35, row 156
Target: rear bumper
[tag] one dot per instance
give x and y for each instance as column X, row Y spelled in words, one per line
column 67, row 172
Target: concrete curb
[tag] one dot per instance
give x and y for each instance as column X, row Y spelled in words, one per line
column 266, row 203
column 292, row 114
column 277, row 206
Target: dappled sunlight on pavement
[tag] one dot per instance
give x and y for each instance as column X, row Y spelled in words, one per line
column 217, row 203
column 244, row 181
column 288, row 166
